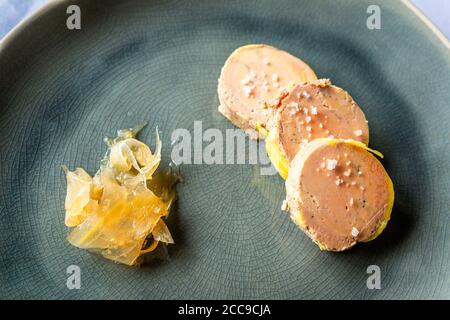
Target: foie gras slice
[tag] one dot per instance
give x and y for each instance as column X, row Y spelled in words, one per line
column 310, row 111
column 255, row 78
column 338, row 193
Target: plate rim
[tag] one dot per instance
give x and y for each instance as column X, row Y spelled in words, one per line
column 24, row 23
column 38, row 14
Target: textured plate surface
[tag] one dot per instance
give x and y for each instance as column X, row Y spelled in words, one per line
column 61, row 91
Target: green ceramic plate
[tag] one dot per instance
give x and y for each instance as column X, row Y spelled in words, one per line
column 62, row 90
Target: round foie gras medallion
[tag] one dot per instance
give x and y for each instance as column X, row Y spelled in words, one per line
column 311, row 111
column 253, row 80
column 338, row 193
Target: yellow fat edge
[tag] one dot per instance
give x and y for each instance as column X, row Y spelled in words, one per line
column 391, row 192
column 387, row 213
column 280, row 163
column 301, row 224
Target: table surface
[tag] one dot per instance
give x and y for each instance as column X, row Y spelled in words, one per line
column 13, row 11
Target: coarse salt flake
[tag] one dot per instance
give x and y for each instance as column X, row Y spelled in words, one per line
column 248, row 90
column 246, row 80
column 284, row 205
column 331, row 164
